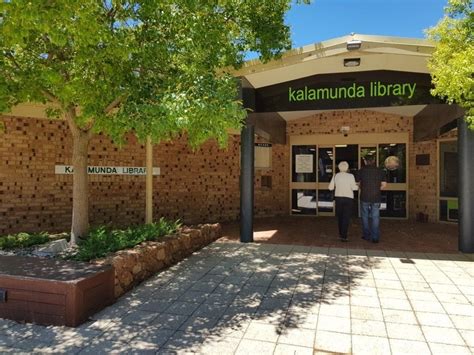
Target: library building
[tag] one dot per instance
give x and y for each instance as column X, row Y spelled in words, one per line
column 344, row 99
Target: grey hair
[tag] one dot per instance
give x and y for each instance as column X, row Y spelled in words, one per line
column 343, row 166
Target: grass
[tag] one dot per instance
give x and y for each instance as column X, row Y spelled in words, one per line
column 104, row 240
column 23, row 240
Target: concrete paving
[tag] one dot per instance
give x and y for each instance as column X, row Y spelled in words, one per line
column 232, row 298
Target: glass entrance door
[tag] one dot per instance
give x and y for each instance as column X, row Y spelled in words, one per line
column 313, row 165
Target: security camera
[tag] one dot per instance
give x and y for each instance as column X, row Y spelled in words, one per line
column 345, row 130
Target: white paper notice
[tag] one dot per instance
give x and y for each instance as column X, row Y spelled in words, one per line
column 304, row 163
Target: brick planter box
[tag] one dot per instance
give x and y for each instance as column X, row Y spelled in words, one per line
column 51, row 291
column 135, row 265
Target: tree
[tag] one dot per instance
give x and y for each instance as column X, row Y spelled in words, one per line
column 151, row 67
column 452, row 63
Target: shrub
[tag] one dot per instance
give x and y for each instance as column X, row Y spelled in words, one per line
column 22, row 240
column 104, row 240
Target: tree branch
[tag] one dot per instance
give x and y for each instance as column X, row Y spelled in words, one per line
column 114, row 104
column 50, row 96
column 70, row 115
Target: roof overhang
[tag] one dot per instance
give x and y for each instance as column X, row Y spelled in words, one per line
column 375, row 53
column 386, row 59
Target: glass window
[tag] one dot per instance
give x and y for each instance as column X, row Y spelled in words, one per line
column 448, row 169
column 448, row 210
column 393, row 204
column 303, row 202
column 325, row 164
column 325, row 201
column 392, row 158
column 304, row 163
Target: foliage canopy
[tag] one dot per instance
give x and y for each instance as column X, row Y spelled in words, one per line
column 452, row 63
column 151, row 66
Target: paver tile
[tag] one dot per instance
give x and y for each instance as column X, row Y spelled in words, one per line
column 441, row 335
column 365, row 301
column 169, row 321
column 301, row 320
column 459, row 309
column 402, row 347
column 332, row 342
column 434, row 319
column 219, row 345
column 184, row 341
column 427, row 306
column 104, row 346
column 335, row 310
column 452, row 298
column 368, row 313
column 154, row 335
column 444, row 349
column 285, row 349
column 368, row 327
column 399, row 316
column 362, row 344
column 248, row 346
column 137, row 317
column 421, row 296
column 261, row 331
column 404, row 331
column 120, row 332
column 463, row 322
column 334, row 324
column 395, row 303
column 182, row 308
column 297, row 336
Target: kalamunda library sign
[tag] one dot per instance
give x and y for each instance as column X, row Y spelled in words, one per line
column 107, row 170
column 380, row 88
column 371, row 89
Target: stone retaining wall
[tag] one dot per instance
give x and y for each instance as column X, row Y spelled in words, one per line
column 135, row 265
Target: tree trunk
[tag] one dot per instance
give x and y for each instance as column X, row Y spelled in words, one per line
column 80, row 189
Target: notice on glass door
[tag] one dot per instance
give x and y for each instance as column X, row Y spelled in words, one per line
column 304, row 163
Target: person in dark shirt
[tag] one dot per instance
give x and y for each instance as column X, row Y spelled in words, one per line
column 371, row 181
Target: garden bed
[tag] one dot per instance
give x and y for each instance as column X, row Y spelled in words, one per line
column 135, row 265
column 112, row 275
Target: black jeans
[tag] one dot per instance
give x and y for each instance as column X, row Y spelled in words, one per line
column 343, row 213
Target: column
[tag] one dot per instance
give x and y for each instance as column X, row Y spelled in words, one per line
column 466, row 186
column 247, row 166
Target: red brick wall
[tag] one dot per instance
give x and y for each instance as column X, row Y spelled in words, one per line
column 195, row 186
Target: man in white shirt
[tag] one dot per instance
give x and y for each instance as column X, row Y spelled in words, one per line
column 344, row 183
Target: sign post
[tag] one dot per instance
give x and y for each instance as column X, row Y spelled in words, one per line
column 149, row 182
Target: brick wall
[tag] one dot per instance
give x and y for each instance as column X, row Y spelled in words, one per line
column 195, row 186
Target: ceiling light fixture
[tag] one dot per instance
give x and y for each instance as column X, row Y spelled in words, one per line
column 351, row 62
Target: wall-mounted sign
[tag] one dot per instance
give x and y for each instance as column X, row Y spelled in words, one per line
column 304, row 163
column 107, row 170
column 378, row 88
column 263, row 155
column 370, row 89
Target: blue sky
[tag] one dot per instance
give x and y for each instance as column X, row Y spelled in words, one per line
column 326, row 19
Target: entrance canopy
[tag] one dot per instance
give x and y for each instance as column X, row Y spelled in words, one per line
column 385, row 74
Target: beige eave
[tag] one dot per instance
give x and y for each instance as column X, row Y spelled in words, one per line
column 376, row 53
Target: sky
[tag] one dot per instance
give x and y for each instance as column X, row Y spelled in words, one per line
column 327, row 19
